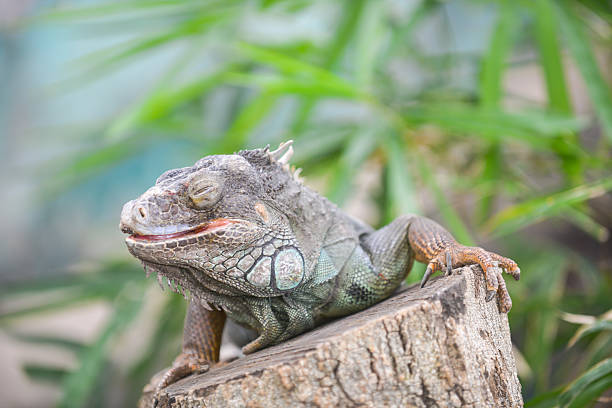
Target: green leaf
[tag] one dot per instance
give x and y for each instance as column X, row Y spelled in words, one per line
column 321, row 142
column 64, row 343
column 161, row 347
column 450, row 215
column 544, row 290
column 494, row 61
column 116, row 7
column 282, row 85
column 399, row 182
column 590, row 395
column 534, row 210
column 290, row 66
column 593, row 382
column 369, row 38
column 103, row 61
column 59, row 292
column 578, row 44
column 600, row 325
column 492, row 176
column 491, row 93
column 247, row 120
column 545, row 400
column 79, row 384
column 550, row 56
column 358, row 149
column 146, row 111
column 37, row 372
column 580, row 218
column 402, row 33
column 534, row 128
column 599, row 8
column 599, row 348
column 350, row 15
column 558, row 98
column 164, row 101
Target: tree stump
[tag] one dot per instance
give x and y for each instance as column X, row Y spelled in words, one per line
column 442, row 345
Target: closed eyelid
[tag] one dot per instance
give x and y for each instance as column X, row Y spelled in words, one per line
column 201, row 189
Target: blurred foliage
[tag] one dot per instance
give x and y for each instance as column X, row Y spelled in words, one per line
column 434, row 145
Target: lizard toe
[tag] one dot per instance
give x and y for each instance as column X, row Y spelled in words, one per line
column 183, row 366
column 505, row 302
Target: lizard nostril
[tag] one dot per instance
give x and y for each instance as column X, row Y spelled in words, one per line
column 142, row 213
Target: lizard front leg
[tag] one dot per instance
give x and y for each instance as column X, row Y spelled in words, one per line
column 201, row 344
column 436, row 247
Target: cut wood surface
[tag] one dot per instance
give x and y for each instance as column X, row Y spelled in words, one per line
column 441, row 345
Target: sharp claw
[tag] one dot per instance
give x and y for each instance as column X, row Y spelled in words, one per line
column 490, row 294
column 427, row 275
column 517, row 273
column 449, row 263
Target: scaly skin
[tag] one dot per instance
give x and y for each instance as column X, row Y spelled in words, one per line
column 245, row 238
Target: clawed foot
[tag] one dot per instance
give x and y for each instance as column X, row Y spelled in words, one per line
column 492, row 264
column 183, row 366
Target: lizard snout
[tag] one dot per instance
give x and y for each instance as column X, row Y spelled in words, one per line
column 126, row 223
column 135, row 218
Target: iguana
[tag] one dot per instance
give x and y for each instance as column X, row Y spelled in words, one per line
column 245, row 238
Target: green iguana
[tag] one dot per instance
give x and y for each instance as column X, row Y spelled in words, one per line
column 245, row 238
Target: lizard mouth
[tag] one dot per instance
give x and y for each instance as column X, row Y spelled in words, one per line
column 207, row 227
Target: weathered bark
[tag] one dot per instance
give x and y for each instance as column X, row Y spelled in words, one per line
column 442, row 345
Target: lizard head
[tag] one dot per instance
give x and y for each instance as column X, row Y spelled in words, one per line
column 214, row 225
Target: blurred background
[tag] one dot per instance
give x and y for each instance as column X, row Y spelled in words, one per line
column 492, row 117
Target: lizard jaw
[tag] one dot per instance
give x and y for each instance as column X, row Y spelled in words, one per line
column 180, row 281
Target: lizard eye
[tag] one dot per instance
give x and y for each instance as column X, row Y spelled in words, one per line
column 204, row 194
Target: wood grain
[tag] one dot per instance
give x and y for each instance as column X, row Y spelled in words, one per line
column 442, row 345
